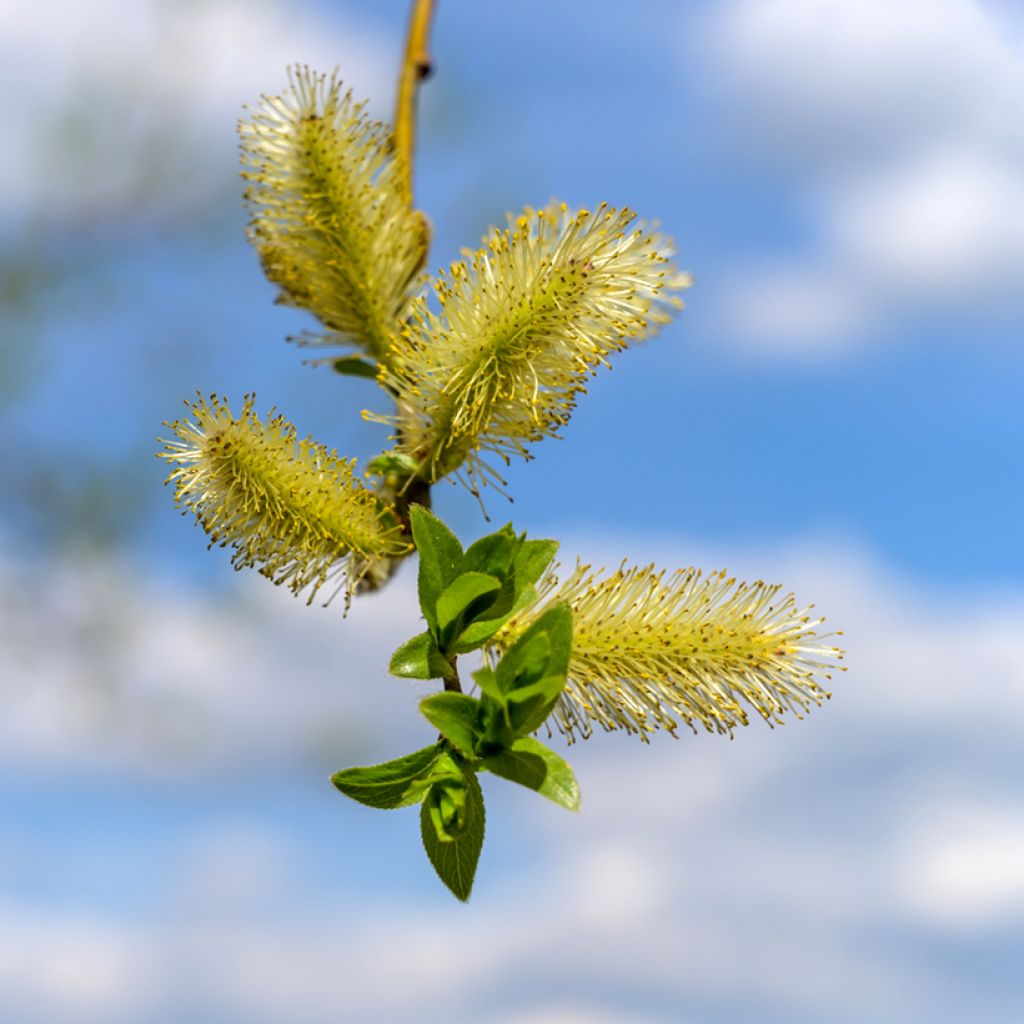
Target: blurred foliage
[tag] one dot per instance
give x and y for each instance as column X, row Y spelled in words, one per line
column 113, row 179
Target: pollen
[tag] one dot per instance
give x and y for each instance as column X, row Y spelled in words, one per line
column 290, row 508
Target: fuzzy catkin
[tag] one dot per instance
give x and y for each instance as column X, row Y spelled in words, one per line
column 289, row 507
column 650, row 651
column 330, row 212
column 522, row 325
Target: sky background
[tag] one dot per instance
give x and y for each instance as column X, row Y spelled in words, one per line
column 838, row 408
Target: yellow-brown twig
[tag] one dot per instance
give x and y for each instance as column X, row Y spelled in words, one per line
column 416, row 66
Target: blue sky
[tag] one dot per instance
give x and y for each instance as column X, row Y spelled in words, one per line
column 837, row 408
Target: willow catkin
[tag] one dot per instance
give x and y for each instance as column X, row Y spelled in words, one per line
column 330, row 211
column 650, row 651
column 290, row 508
column 521, row 327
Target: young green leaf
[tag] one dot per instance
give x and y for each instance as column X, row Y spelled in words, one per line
column 495, row 726
column 419, row 658
column 496, row 731
column 485, row 679
column 453, row 835
column 528, row 707
column 392, row 462
column 457, row 717
column 446, row 805
column 470, row 594
column 537, row 767
column 529, row 560
column 525, row 663
column 557, row 623
column 530, row 659
column 532, row 674
column 395, row 783
column 532, row 558
column 440, row 559
column 493, row 553
column 502, row 607
column 353, row 366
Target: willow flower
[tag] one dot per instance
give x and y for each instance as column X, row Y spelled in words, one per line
column 290, row 508
column 330, row 211
column 650, row 651
column 521, row 327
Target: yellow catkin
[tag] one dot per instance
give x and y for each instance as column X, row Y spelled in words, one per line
column 290, row 508
column 650, row 651
column 518, row 330
column 330, row 211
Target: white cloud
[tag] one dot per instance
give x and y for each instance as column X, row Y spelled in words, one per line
column 100, row 663
column 59, row 965
column 962, row 865
column 792, row 308
column 826, row 81
column 902, row 125
column 948, row 223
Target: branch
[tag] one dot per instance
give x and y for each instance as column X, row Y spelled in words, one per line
column 416, row 66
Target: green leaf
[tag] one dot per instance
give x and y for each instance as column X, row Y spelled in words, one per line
column 529, row 560
column 393, row 462
column 528, row 707
column 557, row 623
column 477, row 633
column 485, row 679
column 353, row 366
column 533, row 557
column 492, row 554
column 452, row 826
column 496, row 732
column 460, row 602
column 440, row 559
column 456, row 716
column 395, row 783
column 446, row 805
column 419, row 658
column 537, row 767
column 525, row 662
column 532, row 673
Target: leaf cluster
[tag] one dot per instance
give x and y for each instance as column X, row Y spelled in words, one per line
column 466, row 597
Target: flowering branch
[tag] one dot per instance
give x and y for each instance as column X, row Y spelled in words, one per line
column 483, row 361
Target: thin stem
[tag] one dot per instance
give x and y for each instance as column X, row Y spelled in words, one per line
column 452, row 683
column 416, row 66
column 402, row 492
